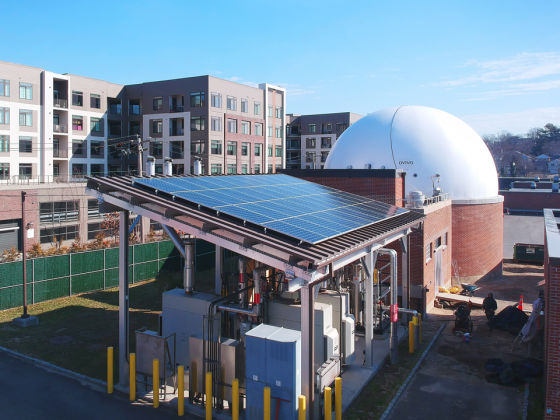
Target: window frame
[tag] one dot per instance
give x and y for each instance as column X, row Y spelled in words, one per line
column 231, row 103
column 244, row 105
column 4, row 143
column 80, row 126
column 216, row 147
column 312, row 128
column 231, row 149
column 95, row 124
column 94, row 97
column 258, row 129
column 78, row 96
column 258, row 149
column 157, row 103
column 5, row 113
column 197, row 100
column 27, row 114
column 27, row 143
column 257, row 108
column 246, row 127
column 5, row 88
column 216, row 123
column 216, row 100
column 232, row 125
column 27, row 91
column 198, row 123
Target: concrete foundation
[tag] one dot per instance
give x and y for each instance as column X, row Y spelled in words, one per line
column 26, row 322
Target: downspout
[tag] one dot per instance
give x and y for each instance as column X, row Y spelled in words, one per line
column 186, row 250
column 394, row 308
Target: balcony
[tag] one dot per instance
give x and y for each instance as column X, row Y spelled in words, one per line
column 57, row 128
column 176, row 131
column 60, row 103
column 134, row 110
column 177, row 155
column 58, row 153
column 176, row 108
column 325, row 131
column 326, row 145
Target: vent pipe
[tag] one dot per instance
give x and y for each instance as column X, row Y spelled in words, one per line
column 242, row 295
column 188, row 279
column 197, row 166
column 394, row 345
column 150, row 166
column 167, row 166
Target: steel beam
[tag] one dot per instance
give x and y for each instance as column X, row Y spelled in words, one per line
column 218, row 275
column 308, row 347
column 368, row 316
column 123, row 298
column 405, row 244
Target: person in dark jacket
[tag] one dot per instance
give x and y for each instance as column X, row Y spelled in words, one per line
column 490, row 305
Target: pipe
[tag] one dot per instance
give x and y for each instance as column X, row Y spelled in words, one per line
column 402, row 310
column 167, row 166
column 257, row 284
column 188, row 279
column 237, row 310
column 150, row 166
column 177, row 241
column 394, row 308
column 241, row 271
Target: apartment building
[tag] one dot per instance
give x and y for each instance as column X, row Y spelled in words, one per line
column 310, row 138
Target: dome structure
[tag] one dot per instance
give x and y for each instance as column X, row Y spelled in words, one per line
column 424, row 142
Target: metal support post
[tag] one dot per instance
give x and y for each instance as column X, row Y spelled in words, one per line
column 368, row 318
column 405, row 243
column 218, row 275
column 123, row 298
column 24, row 254
column 308, row 346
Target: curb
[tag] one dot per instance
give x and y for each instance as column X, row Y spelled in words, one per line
column 411, row 374
column 525, row 403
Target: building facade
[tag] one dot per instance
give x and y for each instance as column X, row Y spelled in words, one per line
column 310, row 138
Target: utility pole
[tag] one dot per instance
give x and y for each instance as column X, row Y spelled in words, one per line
column 139, row 143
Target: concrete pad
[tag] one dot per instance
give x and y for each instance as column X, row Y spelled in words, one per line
column 26, row 322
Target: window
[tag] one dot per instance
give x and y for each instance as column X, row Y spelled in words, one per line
column 311, row 143
column 270, row 168
column 245, row 127
column 177, row 150
column 232, row 148
column 133, row 128
column 216, row 148
column 77, row 98
column 77, row 123
column 115, row 107
column 157, row 126
column 231, row 168
column 62, row 233
column 25, row 91
column 257, row 168
column 244, row 169
column 270, row 131
column 93, row 208
column 294, row 144
column 258, row 129
column 326, row 142
column 25, row 145
column 216, row 123
column 4, row 87
column 245, row 149
column 278, row 131
column 445, row 239
column 232, row 103
column 4, row 115
column 95, row 125
column 197, row 99
column 114, row 152
column 341, row 126
column 258, row 148
column 269, row 151
column 257, row 108
column 134, row 107
column 157, row 149
column 115, row 169
column 25, row 170
column 326, row 128
column 78, row 149
column 198, row 147
column 278, row 112
column 25, row 118
column 324, row 156
column 4, row 171
column 159, row 171
column 4, row 143
column 312, row 128
column 428, row 252
column 98, row 169
column 97, row 149
column 95, row 101
column 198, row 123
column 278, row 151
column 231, row 125
column 270, row 112
column 115, row 128
column 244, row 105
column 438, row 242
column 158, row 103
column 216, row 168
column 216, row 100
column 294, row 129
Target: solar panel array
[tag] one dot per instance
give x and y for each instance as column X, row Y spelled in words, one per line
column 303, row 210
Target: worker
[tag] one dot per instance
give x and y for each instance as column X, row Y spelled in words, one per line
column 489, row 305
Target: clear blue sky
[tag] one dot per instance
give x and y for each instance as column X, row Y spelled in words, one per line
column 496, row 64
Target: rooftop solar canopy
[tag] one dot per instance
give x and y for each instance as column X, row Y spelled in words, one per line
column 300, row 209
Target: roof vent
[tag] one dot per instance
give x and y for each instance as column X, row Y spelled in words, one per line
column 533, row 185
column 555, row 183
column 415, row 200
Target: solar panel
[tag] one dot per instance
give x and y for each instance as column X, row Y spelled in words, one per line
column 303, row 210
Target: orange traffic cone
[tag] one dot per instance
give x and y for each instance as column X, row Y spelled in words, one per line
column 521, row 302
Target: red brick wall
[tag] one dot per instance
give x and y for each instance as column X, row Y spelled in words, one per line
column 386, row 190
column 10, row 208
column 478, row 236
column 552, row 339
column 531, row 200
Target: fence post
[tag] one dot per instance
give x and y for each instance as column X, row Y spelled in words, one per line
column 109, row 370
column 208, row 395
column 70, row 272
column 266, row 403
column 411, row 337
column 33, row 281
column 155, row 383
column 132, row 372
column 328, row 403
column 301, row 407
column 235, row 399
column 181, row 391
column 338, row 398
column 104, row 271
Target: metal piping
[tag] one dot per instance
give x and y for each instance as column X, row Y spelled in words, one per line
column 188, row 278
column 236, row 309
column 242, row 295
column 402, row 310
column 394, row 308
column 177, row 241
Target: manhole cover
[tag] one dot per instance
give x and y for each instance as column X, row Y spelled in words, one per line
column 61, row 339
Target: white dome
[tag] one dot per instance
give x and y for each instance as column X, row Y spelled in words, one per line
column 422, row 141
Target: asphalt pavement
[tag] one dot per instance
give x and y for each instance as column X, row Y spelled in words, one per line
column 28, row 391
column 522, row 229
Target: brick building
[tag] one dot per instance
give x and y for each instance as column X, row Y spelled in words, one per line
column 552, row 314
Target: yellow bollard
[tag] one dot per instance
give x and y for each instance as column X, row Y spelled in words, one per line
column 132, row 379
column 420, row 329
column 109, row 370
column 235, row 399
column 208, row 395
column 328, row 403
column 411, row 337
column 181, row 391
column 338, row 398
column 155, row 383
column 266, row 403
column 301, row 407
